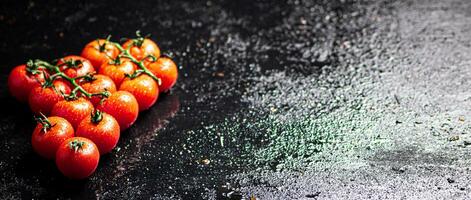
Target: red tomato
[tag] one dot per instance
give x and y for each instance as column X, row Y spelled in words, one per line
column 73, row 111
column 123, row 106
column 77, row 158
column 165, row 69
column 42, row 99
column 48, row 135
column 102, row 129
column 21, row 82
column 74, row 66
column 117, row 71
column 99, row 51
column 98, row 84
column 144, row 88
column 141, row 48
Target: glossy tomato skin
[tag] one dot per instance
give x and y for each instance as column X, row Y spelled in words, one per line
column 165, row 69
column 100, row 83
column 46, row 143
column 21, row 82
column 104, row 133
column 144, row 88
column 99, row 51
column 117, row 71
column 73, row 111
column 82, row 68
column 79, row 162
column 123, row 106
column 148, row 47
column 41, row 100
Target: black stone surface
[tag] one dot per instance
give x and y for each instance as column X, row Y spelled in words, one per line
column 405, row 61
column 148, row 161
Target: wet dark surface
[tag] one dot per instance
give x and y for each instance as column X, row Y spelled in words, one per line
column 276, row 99
column 218, row 44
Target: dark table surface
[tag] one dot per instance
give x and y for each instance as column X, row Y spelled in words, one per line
column 151, row 160
column 247, row 68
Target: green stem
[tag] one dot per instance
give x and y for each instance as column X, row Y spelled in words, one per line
column 74, row 83
column 42, row 119
column 97, row 116
column 56, row 72
column 76, row 145
column 144, row 69
column 77, row 87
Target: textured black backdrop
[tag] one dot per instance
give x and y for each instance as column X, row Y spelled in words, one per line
column 205, row 39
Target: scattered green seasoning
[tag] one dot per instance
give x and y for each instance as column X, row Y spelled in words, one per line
column 272, row 143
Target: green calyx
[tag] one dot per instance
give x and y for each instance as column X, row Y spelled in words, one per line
column 139, row 39
column 72, row 63
column 46, row 124
column 117, row 60
column 72, row 96
column 97, row 116
column 32, row 67
column 103, row 98
column 102, row 47
column 88, row 78
column 76, row 145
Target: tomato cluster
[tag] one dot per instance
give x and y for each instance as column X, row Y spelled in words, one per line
column 83, row 103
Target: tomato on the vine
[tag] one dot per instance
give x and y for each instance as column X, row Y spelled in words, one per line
column 99, row 51
column 123, row 106
column 77, row 158
column 42, row 98
column 73, row 111
column 144, row 88
column 118, row 69
column 97, row 84
column 165, row 69
column 49, row 134
column 21, row 81
column 102, row 129
column 74, row 66
column 140, row 48
column 78, row 98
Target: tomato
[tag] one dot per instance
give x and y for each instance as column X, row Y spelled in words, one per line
column 165, row 69
column 98, row 84
column 144, row 88
column 123, row 106
column 73, row 110
column 42, row 99
column 74, row 66
column 141, row 48
column 77, row 158
column 102, row 129
column 21, row 82
column 117, row 71
column 49, row 134
column 99, row 51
